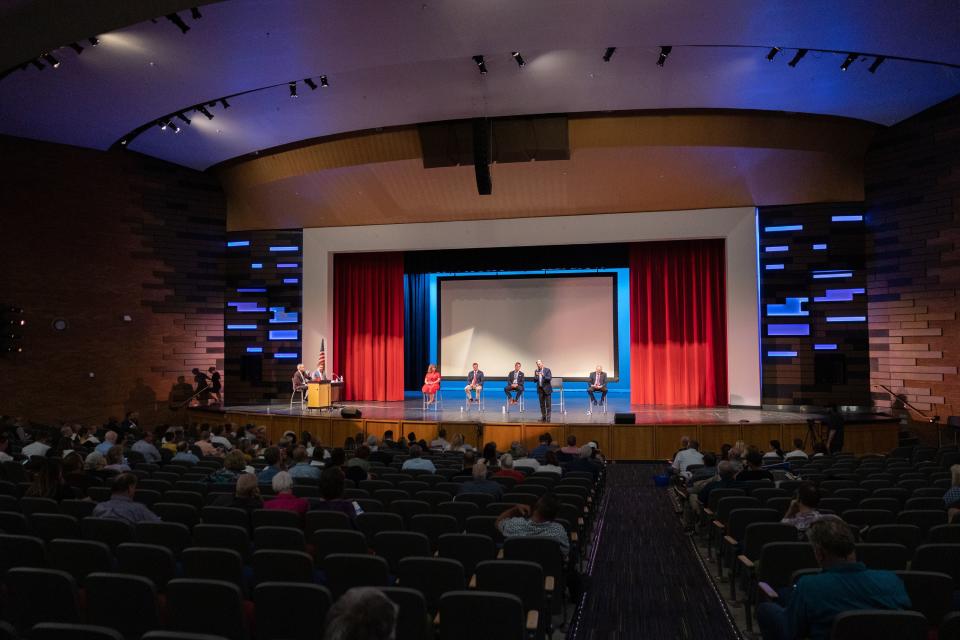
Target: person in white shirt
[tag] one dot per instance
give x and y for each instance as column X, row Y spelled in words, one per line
column 552, row 465
column 4, row 445
column 522, row 461
column 441, row 441
column 38, row 448
column 218, row 438
column 416, row 462
column 685, row 458
column 798, row 452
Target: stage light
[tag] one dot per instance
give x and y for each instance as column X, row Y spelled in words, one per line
column 178, row 21
column 608, row 53
column 851, row 58
column 195, row 13
column 797, row 57
column 662, row 58
column 876, row 63
column 94, row 41
column 162, row 124
column 519, row 58
column 205, row 112
column 52, row 61
column 323, row 82
column 183, row 117
column 37, row 64
column 173, row 126
column 293, row 89
column 773, row 53
column 310, row 83
column 224, row 103
column 123, row 142
column 481, row 64
column 76, row 47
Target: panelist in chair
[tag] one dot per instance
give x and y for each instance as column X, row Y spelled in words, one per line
column 320, row 372
column 544, row 377
column 514, row 384
column 597, row 382
column 300, row 378
column 431, row 383
column 474, row 384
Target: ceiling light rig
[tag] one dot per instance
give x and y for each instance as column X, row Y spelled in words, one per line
column 323, row 82
column 202, row 109
column 224, row 103
column 51, row 60
column 178, row 22
column 183, row 117
column 481, row 64
column 310, row 83
column 195, row 13
column 76, row 47
column 797, row 57
column 293, row 89
column 876, row 64
column 664, row 53
column 519, row 58
column 851, row 58
column 609, row 53
column 94, row 41
column 773, row 53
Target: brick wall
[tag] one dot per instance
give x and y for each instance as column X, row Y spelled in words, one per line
column 89, row 237
column 913, row 203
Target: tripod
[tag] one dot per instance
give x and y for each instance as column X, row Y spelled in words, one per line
column 814, row 433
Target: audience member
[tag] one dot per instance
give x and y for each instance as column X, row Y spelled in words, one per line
column 951, row 499
column 285, row 500
column 37, row 448
column 506, row 469
column 522, row 460
column 797, row 453
column 441, row 441
column 319, row 456
column 539, row 452
column 843, row 585
column 584, row 461
column 362, row 613
column 48, row 481
column 115, row 461
column 184, row 455
column 301, row 465
column 372, row 443
column 727, row 480
column 550, row 464
column 74, row 477
column 489, row 454
column 218, row 439
column 571, row 449
column 246, row 496
column 521, row 520
column 272, row 457
column 469, row 459
column 708, row 470
column 686, row 457
column 234, row 463
column 145, row 447
column 459, row 443
column 206, row 447
column 4, row 449
column 331, row 495
column 121, row 506
column 416, row 462
column 775, row 452
column 802, row 511
column 361, row 458
column 109, row 440
column 754, row 469
column 480, row 484
column 684, row 445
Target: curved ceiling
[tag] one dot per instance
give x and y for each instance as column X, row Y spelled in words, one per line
column 397, row 62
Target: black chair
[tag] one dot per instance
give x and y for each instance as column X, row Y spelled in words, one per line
column 522, row 579
column 386, row 496
column 942, row 558
column 547, row 553
column 79, row 509
column 225, row 515
column 21, row 551
column 433, row 497
column 370, row 505
column 151, row 561
column 40, row 595
column 279, row 538
column 275, row 600
column 775, row 567
column 223, row 535
column 485, row 526
column 931, row 593
column 193, row 498
column 755, row 536
column 855, row 495
column 908, row 535
column 173, row 535
column 925, row 519
column 432, row 577
column 110, row 532
column 469, row 549
column 373, row 523
column 147, row 496
column 878, row 555
column 348, row 570
column 206, row 606
column 270, row 565
column 61, row 631
column 433, row 526
column 79, row 558
column 479, row 499
column 459, row 510
column 860, row 518
column 944, row 533
column 186, row 514
column 276, row 518
column 396, row 545
column 328, row 541
column 126, row 603
column 870, row 624
column 503, row 616
column 326, row 520
column 934, row 504
column 210, row 563
column 14, row 523
column 407, row 509
column 54, row 525
column 413, row 621
column 30, row 506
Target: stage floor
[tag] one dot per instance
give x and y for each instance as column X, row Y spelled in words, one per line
column 576, row 413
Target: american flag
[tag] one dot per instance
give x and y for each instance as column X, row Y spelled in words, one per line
column 322, row 362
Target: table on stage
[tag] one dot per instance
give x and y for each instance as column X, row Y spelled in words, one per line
column 321, row 394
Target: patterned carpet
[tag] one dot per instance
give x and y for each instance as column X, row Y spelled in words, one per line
column 646, row 580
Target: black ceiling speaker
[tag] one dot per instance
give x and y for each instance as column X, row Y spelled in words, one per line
column 481, row 155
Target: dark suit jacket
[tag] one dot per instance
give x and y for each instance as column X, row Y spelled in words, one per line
column 479, row 376
column 603, row 378
column 299, row 380
column 515, row 377
column 546, row 385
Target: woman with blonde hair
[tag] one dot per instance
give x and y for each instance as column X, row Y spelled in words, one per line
column 246, row 496
column 459, row 444
column 431, row 384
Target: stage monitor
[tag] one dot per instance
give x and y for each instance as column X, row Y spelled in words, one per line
column 568, row 321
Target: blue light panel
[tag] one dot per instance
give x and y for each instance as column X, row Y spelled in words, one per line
column 792, row 307
column 834, row 274
column 254, row 349
column 284, row 335
column 284, row 248
column 838, row 295
column 788, row 329
column 846, row 218
column 776, row 248
column 846, row 318
column 786, row 227
column 238, row 243
column 824, row 347
column 291, row 280
column 287, row 356
column 252, row 290
column 256, row 265
column 782, row 354
column 819, row 247
column 246, row 307
column 773, row 267
column 287, row 265
column 241, row 327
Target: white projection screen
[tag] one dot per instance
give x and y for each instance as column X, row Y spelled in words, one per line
column 569, row 322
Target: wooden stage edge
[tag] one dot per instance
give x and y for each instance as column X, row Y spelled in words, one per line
column 623, row 442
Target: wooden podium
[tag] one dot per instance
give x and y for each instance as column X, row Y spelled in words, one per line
column 321, row 394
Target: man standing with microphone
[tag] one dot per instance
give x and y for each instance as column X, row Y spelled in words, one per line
column 544, row 390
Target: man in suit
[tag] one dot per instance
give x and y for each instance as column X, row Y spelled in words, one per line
column 514, row 384
column 300, row 378
column 544, row 390
column 474, row 383
column 598, row 382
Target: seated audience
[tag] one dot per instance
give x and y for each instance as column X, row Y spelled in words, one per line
column 246, row 496
column 361, row 458
column 145, row 447
column 417, row 462
column 820, row 450
column 522, row 460
column 272, row 457
column 506, row 469
column 775, row 453
column 584, row 461
column 206, row 447
column 489, row 454
column 121, row 506
column 115, row 461
column 47, row 480
column 4, row 449
column 37, row 448
column 362, row 613
column 372, row 443
column 754, row 469
column 285, row 500
column 109, row 440
column 843, row 585
column 459, row 443
column 75, row 478
column 686, row 457
column 571, row 449
column 218, row 439
column 802, row 511
column 480, row 484
column 727, row 480
column 234, row 463
column 184, row 455
column 951, row 499
column 521, row 520
column 331, row 494
column 797, row 453
column 550, row 464
column 319, row 457
column 469, row 459
column 441, row 441
column 708, row 470
column 539, row 452
column 301, row 465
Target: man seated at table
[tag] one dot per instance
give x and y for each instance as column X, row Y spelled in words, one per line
column 597, row 382
column 514, row 385
column 474, row 384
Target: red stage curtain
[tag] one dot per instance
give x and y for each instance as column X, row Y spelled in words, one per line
column 678, row 323
column 368, row 324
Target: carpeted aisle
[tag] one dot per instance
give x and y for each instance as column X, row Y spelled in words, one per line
column 646, row 580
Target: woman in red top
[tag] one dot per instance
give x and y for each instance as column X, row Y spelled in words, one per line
column 283, row 485
column 431, row 384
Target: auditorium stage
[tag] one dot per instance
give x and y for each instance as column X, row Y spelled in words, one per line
column 655, row 435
